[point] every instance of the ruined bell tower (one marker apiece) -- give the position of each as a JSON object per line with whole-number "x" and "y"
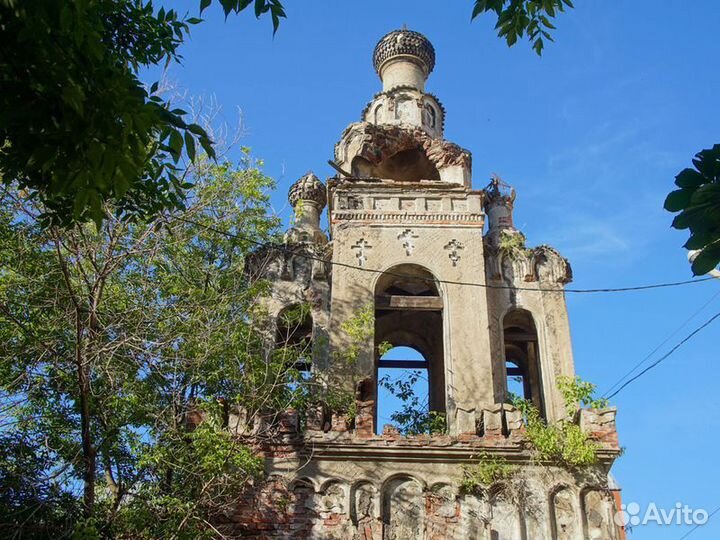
{"x": 444, "y": 271}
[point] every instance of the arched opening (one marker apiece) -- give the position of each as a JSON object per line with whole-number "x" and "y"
{"x": 408, "y": 165}
{"x": 522, "y": 361}
{"x": 293, "y": 337}
{"x": 408, "y": 321}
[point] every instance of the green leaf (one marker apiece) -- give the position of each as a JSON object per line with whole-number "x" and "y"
{"x": 689, "y": 178}
{"x": 698, "y": 241}
{"x": 190, "y": 145}
{"x": 175, "y": 145}
{"x": 204, "y": 4}
{"x": 678, "y": 200}
{"x": 707, "y": 260}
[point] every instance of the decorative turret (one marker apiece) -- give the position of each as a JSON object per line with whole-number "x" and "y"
{"x": 308, "y": 197}
{"x": 499, "y": 202}
{"x": 404, "y": 58}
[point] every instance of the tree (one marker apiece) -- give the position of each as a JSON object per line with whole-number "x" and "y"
{"x": 78, "y": 129}
{"x": 698, "y": 201}
{"x": 516, "y": 18}
{"x": 109, "y": 340}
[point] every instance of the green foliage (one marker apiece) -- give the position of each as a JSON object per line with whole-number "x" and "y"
{"x": 78, "y": 129}
{"x": 516, "y": 18}
{"x": 512, "y": 243}
{"x": 384, "y": 348}
{"x": 564, "y": 442}
{"x": 488, "y": 470}
{"x": 698, "y": 201}
{"x": 414, "y": 417}
{"x": 109, "y": 339}
{"x": 577, "y": 393}
{"x": 260, "y": 7}
{"x": 358, "y": 330}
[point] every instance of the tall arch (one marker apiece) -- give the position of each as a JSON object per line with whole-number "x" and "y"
{"x": 522, "y": 357}
{"x": 564, "y": 514}
{"x": 409, "y": 313}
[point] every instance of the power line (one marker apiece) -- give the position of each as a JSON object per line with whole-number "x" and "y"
{"x": 433, "y": 280}
{"x": 696, "y": 527}
{"x": 666, "y": 355}
{"x": 656, "y": 349}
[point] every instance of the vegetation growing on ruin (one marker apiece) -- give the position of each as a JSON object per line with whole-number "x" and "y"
{"x": 564, "y": 442}
{"x": 488, "y": 470}
{"x": 512, "y": 243}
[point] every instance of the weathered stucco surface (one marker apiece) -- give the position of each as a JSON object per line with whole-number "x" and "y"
{"x": 403, "y": 205}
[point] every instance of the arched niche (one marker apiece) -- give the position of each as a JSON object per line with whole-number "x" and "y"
{"x": 409, "y": 313}
{"x": 506, "y": 522}
{"x": 378, "y": 114}
{"x": 363, "y": 502}
{"x": 522, "y": 359}
{"x": 403, "y": 509}
{"x": 564, "y": 515}
{"x": 598, "y": 509}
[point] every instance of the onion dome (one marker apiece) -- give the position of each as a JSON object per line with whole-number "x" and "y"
{"x": 308, "y": 188}
{"x": 404, "y": 43}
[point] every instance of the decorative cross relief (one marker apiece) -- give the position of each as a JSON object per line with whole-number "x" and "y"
{"x": 407, "y": 240}
{"x": 361, "y": 245}
{"x": 454, "y": 246}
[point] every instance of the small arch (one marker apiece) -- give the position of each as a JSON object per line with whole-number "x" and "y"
{"x": 302, "y": 482}
{"x": 597, "y": 508}
{"x": 564, "y": 513}
{"x": 402, "y": 476}
{"x": 403, "y": 507}
{"x": 333, "y": 497}
{"x": 506, "y": 521}
{"x": 430, "y": 116}
{"x": 377, "y": 114}
{"x": 523, "y": 374}
{"x": 363, "y": 501}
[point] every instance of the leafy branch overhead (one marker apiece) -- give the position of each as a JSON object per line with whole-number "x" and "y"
{"x": 517, "y": 18}
{"x": 78, "y": 129}
{"x": 698, "y": 201}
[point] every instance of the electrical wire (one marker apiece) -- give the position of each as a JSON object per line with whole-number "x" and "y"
{"x": 666, "y": 355}
{"x": 656, "y": 349}
{"x": 449, "y": 282}
{"x": 696, "y": 527}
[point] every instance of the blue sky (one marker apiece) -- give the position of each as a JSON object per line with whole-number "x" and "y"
{"x": 591, "y": 135}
